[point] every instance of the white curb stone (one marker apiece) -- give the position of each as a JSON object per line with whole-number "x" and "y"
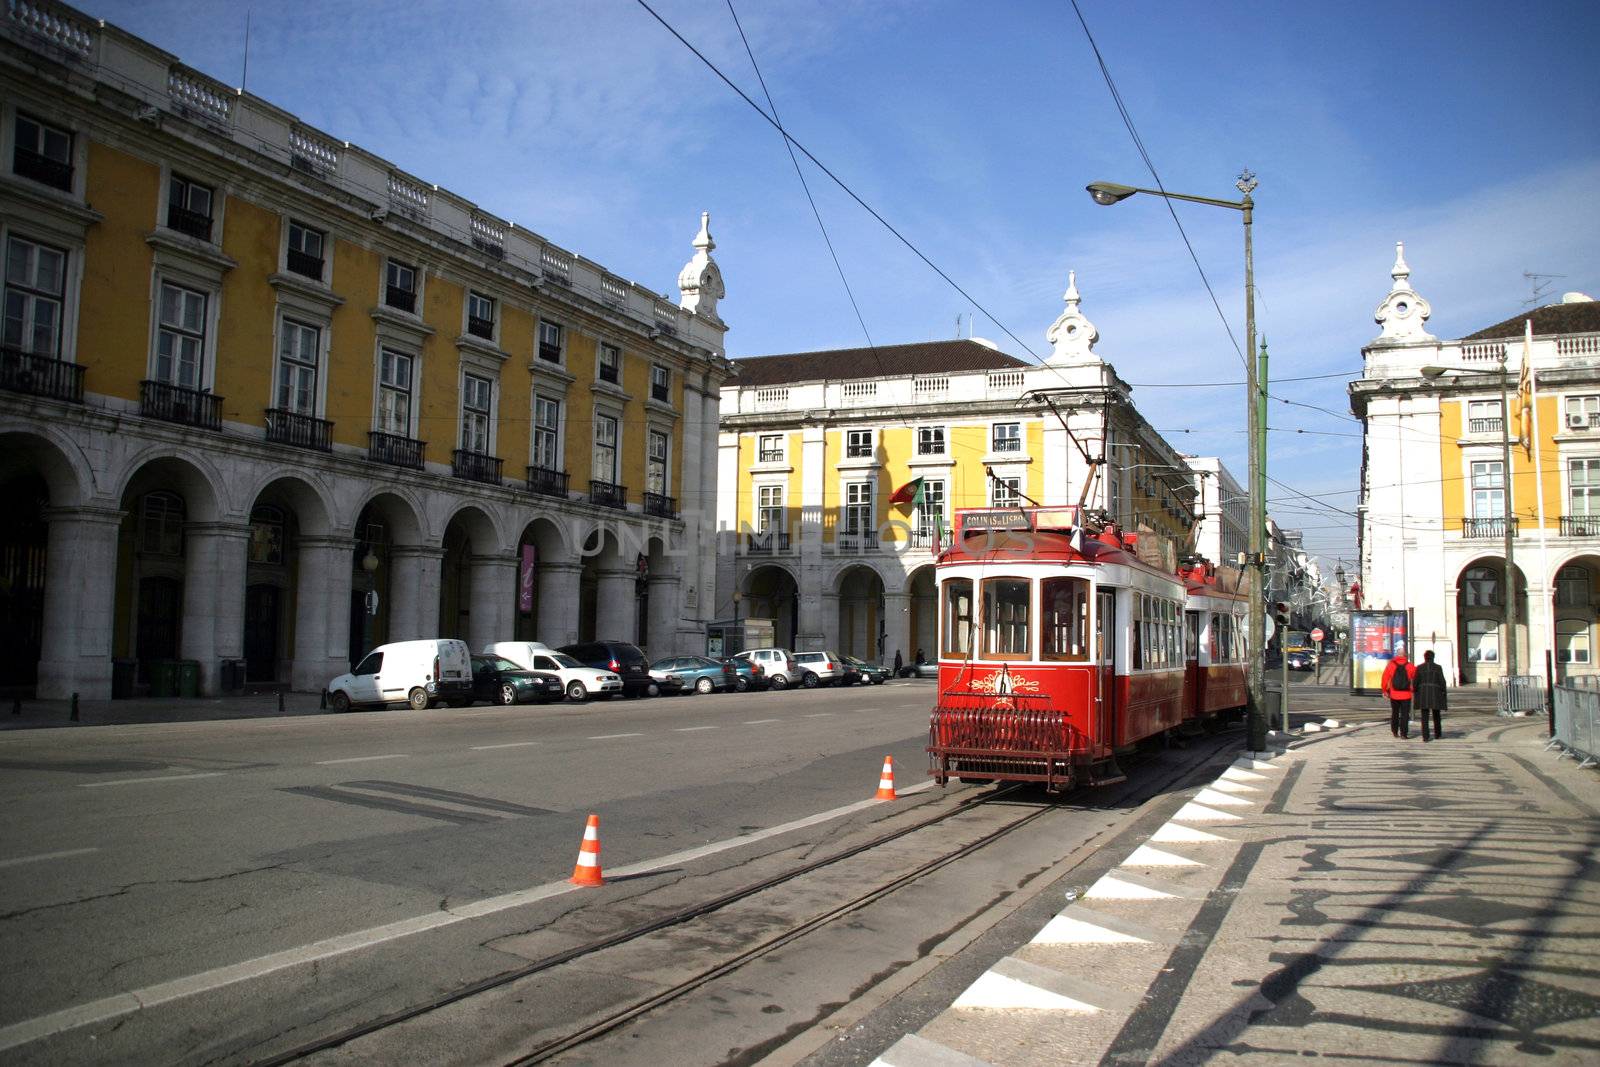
{"x": 1125, "y": 885}
{"x": 1175, "y": 833}
{"x": 1145, "y": 856}
{"x": 1192, "y": 812}
{"x": 1211, "y": 798}
{"x": 1078, "y": 925}
{"x": 1250, "y": 763}
{"x": 914, "y": 1051}
{"x": 1234, "y": 774}
{"x": 1014, "y": 983}
{"x": 1311, "y": 728}
{"x": 1332, "y": 724}
{"x": 1224, "y": 785}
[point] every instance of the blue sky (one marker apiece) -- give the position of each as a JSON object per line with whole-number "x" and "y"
{"x": 1465, "y": 129}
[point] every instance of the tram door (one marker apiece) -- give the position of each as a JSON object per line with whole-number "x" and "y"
{"x": 1105, "y": 654}
{"x": 1194, "y": 673}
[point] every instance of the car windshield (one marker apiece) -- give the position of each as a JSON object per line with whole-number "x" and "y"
{"x": 500, "y": 663}
{"x": 565, "y": 660}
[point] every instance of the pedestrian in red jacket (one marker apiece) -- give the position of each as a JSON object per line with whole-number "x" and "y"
{"x": 1397, "y": 687}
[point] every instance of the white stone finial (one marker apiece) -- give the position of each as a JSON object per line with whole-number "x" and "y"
{"x": 700, "y": 281}
{"x": 1072, "y": 335}
{"x": 1402, "y": 313}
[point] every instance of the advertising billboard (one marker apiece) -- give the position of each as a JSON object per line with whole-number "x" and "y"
{"x": 1375, "y": 636}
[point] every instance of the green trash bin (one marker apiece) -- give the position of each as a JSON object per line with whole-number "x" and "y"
{"x": 188, "y": 678}
{"x": 164, "y": 678}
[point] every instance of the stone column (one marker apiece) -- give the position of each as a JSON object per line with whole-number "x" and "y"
{"x": 897, "y": 627}
{"x": 666, "y": 591}
{"x": 493, "y": 600}
{"x": 557, "y": 602}
{"x": 829, "y": 610}
{"x": 703, "y": 540}
{"x": 697, "y": 500}
{"x": 414, "y": 591}
{"x": 616, "y": 604}
{"x": 213, "y": 596}
{"x": 80, "y": 584}
{"x": 322, "y": 612}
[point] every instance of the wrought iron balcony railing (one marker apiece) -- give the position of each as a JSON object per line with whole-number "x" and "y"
{"x": 401, "y": 299}
{"x": 660, "y": 505}
{"x": 304, "y": 264}
{"x": 190, "y": 222}
{"x": 766, "y": 542}
{"x": 1486, "y": 528}
{"x": 483, "y": 328}
{"x": 25, "y": 372}
{"x": 285, "y": 427}
{"x": 1580, "y": 526}
{"x": 475, "y": 466}
{"x": 547, "y": 482}
{"x": 174, "y": 403}
{"x": 395, "y": 450}
{"x": 40, "y": 168}
{"x": 608, "y": 494}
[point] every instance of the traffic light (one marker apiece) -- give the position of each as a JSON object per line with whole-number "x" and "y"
{"x": 1280, "y": 614}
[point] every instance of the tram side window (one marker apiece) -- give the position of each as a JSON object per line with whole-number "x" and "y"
{"x": 1065, "y": 603}
{"x": 958, "y": 618}
{"x": 1191, "y": 637}
{"x": 1005, "y": 618}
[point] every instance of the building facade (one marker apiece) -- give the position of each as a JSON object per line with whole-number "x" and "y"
{"x": 266, "y": 400}
{"x": 1437, "y": 493}
{"x": 827, "y": 530}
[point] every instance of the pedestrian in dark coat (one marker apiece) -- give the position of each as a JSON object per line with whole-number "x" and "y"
{"x": 1397, "y": 687}
{"x": 1430, "y": 689}
{"x": 899, "y": 663}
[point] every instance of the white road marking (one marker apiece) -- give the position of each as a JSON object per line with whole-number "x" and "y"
{"x": 608, "y": 737}
{"x": 162, "y": 778}
{"x": 691, "y": 729}
{"x": 361, "y": 759}
{"x": 508, "y": 744}
{"x": 97, "y": 1011}
{"x": 819, "y": 714}
{"x": 20, "y": 860}
{"x": 758, "y": 722}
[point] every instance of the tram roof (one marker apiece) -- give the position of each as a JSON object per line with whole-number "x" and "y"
{"x": 1046, "y": 534}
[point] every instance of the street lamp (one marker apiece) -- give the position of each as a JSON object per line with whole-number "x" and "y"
{"x": 1108, "y": 193}
{"x": 1433, "y": 373}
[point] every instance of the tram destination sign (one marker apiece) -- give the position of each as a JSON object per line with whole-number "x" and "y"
{"x": 996, "y": 519}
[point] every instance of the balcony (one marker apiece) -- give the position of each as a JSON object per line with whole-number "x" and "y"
{"x": 856, "y": 540}
{"x": 285, "y": 427}
{"x": 661, "y": 391}
{"x": 660, "y": 505}
{"x": 608, "y": 373}
{"x": 547, "y": 482}
{"x": 1489, "y": 425}
{"x": 190, "y": 222}
{"x": 395, "y": 450}
{"x": 483, "y": 328}
{"x": 401, "y": 299}
{"x": 174, "y": 403}
{"x": 549, "y": 353}
{"x": 475, "y": 466}
{"x": 766, "y": 542}
{"x": 1580, "y": 526}
{"x": 608, "y": 494}
{"x": 304, "y": 264}
{"x": 42, "y": 169}
{"x": 1489, "y": 528}
{"x": 25, "y": 372}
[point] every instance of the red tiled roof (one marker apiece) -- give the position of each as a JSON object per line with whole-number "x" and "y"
{"x": 885, "y": 361}
{"x": 1551, "y": 319}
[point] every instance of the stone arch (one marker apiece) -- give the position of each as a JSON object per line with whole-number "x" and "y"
{"x": 1480, "y": 613}
{"x": 921, "y": 591}
{"x": 859, "y": 588}
{"x": 287, "y": 582}
{"x": 393, "y": 573}
{"x": 301, "y": 491}
{"x": 54, "y": 457}
{"x": 771, "y": 590}
{"x": 399, "y": 508}
{"x": 544, "y": 582}
{"x": 1573, "y": 613}
{"x": 474, "y": 602}
{"x": 192, "y": 476}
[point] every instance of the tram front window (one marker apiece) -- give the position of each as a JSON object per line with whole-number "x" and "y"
{"x": 1065, "y": 604}
{"x": 1005, "y": 618}
{"x": 957, "y": 640}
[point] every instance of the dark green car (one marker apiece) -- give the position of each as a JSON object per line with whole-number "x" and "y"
{"x": 499, "y": 681}
{"x": 870, "y": 673}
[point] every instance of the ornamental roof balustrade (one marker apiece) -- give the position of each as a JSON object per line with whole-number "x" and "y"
{"x": 312, "y": 153}
{"x": 54, "y": 25}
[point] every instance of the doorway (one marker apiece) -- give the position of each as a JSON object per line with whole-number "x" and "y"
{"x": 262, "y": 604}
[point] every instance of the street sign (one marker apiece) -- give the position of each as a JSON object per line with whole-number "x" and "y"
{"x": 1317, "y": 635}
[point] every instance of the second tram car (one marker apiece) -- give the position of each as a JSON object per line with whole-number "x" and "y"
{"x": 1060, "y": 647}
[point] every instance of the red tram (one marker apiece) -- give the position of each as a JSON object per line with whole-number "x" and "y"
{"x": 1059, "y": 647}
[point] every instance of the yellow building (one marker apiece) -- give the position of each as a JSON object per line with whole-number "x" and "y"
{"x": 267, "y": 399}
{"x": 815, "y": 447}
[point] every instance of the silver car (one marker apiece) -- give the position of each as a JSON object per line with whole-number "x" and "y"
{"x": 824, "y": 668}
{"x": 778, "y": 664}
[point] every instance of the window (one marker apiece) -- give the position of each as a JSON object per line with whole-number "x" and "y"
{"x": 180, "y": 336}
{"x": 35, "y": 291}
{"x": 930, "y": 514}
{"x": 371, "y": 665}
{"x": 957, "y": 641}
{"x": 1005, "y": 492}
{"x": 769, "y": 512}
{"x": 769, "y": 448}
{"x": 1006, "y": 437}
{"x": 298, "y": 348}
{"x": 1488, "y": 489}
{"x": 605, "y": 449}
{"x": 189, "y": 207}
{"x": 610, "y": 367}
{"x": 394, "y": 393}
{"x": 1583, "y": 412}
{"x": 858, "y": 508}
{"x": 1064, "y": 603}
{"x": 1481, "y": 586}
{"x": 477, "y": 398}
{"x": 552, "y": 342}
{"x": 1483, "y": 641}
{"x": 1572, "y": 641}
{"x": 546, "y": 433}
{"x": 161, "y": 524}
{"x": 858, "y": 444}
{"x": 1573, "y": 587}
{"x": 1005, "y": 618}
{"x": 1583, "y": 483}
{"x": 43, "y": 153}
{"x": 660, "y": 383}
{"x": 304, "y": 255}
{"x": 400, "y": 286}
{"x": 1157, "y": 632}
{"x": 480, "y": 315}
{"x": 266, "y": 535}
{"x": 1483, "y": 416}
{"x": 930, "y": 440}
{"x": 655, "y": 467}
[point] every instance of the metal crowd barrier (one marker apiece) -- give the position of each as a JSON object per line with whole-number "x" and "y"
{"x": 1521, "y": 692}
{"x": 1578, "y": 722}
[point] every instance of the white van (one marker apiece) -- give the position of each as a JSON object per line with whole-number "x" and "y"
{"x": 418, "y": 673}
{"x": 580, "y": 680}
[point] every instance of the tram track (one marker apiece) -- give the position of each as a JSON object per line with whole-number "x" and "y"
{"x": 1140, "y": 786}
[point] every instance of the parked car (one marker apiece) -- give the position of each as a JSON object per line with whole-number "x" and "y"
{"x": 663, "y": 684}
{"x": 578, "y": 680}
{"x": 418, "y": 673}
{"x": 869, "y": 673}
{"x": 825, "y": 668}
{"x": 499, "y": 681}
{"x": 747, "y": 674}
{"x": 920, "y": 670}
{"x": 621, "y": 658}
{"x": 699, "y": 673}
{"x": 778, "y": 663}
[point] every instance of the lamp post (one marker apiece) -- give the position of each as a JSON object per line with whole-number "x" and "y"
{"x": 1108, "y": 193}
{"x": 1433, "y": 373}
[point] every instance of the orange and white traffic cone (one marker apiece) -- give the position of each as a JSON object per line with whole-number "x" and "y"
{"x": 587, "y": 872}
{"x": 886, "y": 780}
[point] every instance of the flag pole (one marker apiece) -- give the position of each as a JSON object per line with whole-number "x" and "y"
{"x": 1538, "y": 489}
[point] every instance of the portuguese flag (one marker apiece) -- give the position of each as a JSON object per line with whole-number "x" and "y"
{"x": 910, "y": 493}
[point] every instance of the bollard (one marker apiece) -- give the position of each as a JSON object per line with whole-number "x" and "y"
{"x": 280, "y": 703}
{"x": 74, "y": 716}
